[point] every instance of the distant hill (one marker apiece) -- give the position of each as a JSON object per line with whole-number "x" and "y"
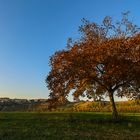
{"x": 41, "y": 105}
{"x": 7, "y": 104}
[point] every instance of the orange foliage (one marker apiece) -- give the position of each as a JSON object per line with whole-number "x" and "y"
{"x": 106, "y": 58}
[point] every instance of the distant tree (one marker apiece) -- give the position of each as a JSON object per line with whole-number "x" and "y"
{"x": 106, "y": 60}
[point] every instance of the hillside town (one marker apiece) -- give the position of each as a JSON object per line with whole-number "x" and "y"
{"x": 16, "y": 100}
{"x": 7, "y": 104}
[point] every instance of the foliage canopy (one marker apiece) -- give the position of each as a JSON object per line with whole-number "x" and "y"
{"x": 105, "y": 60}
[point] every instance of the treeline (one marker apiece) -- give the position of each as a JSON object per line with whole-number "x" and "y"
{"x": 43, "y": 105}
{"x": 132, "y": 106}
{"x": 122, "y": 106}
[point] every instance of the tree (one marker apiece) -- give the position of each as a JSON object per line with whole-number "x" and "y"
{"x": 106, "y": 60}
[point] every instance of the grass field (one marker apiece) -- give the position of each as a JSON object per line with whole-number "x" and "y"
{"x": 68, "y": 126}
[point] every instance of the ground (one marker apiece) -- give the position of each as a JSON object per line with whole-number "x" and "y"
{"x": 69, "y": 126}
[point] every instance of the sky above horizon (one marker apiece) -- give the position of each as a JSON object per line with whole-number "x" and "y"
{"x": 32, "y": 30}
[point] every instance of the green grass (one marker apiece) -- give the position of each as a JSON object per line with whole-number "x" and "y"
{"x": 68, "y": 126}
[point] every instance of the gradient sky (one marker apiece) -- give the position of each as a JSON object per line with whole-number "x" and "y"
{"x": 32, "y": 30}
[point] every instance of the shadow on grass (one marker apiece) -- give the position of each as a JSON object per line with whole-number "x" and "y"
{"x": 101, "y": 119}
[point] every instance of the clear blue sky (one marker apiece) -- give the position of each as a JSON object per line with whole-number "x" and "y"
{"x": 31, "y": 30}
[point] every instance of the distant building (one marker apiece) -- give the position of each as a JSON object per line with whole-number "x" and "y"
{"x": 20, "y": 100}
{"x": 4, "y": 99}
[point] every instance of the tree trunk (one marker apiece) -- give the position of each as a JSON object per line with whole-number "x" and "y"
{"x": 114, "y": 110}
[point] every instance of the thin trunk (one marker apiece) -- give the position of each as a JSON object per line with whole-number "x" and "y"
{"x": 114, "y": 110}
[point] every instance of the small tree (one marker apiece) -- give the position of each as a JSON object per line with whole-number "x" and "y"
{"x": 106, "y": 58}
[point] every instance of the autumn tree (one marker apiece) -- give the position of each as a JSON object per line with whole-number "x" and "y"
{"x": 105, "y": 60}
